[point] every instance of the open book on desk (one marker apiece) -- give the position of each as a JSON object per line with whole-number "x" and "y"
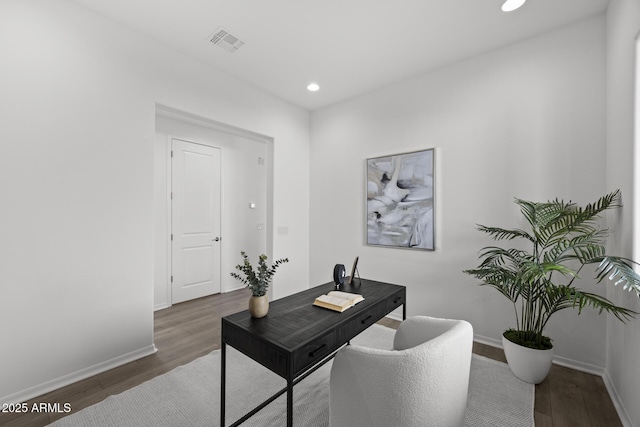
{"x": 338, "y": 300}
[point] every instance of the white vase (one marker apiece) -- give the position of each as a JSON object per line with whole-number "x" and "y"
{"x": 528, "y": 364}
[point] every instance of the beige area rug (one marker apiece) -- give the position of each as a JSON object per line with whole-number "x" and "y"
{"x": 190, "y": 395}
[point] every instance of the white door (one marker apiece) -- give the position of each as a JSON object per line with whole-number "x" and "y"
{"x": 195, "y": 220}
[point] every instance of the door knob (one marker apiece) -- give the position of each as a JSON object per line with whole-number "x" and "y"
{"x": 217, "y": 239}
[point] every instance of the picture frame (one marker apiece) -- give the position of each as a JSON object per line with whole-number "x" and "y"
{"x": 400, "y": 211}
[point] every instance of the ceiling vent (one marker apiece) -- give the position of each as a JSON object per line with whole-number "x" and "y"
{"x": 225, "y": 40}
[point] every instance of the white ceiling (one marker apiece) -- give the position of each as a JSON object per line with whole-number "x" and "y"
{"x": 349, "y": 47}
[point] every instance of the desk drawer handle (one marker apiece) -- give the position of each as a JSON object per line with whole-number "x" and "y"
{"x": 395, "y": 301}
{"x": 317, "y": 350}
{"x": 365, "y": 319}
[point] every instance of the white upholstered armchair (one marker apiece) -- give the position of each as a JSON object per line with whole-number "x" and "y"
{"x": 422, "y": 382}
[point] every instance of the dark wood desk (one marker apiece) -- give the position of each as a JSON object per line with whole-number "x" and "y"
{"x": 296, "y": 337}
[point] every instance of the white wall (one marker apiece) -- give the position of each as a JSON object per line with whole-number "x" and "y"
{"x": 623, "y": 341}
{"x": 244, "y": 181}
{"x": 526, "y": 120}
{"x": 77, "y": 219}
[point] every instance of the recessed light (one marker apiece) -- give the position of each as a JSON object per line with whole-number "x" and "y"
{"x": 511, "y": 5}
{"x": 313, "y": 87}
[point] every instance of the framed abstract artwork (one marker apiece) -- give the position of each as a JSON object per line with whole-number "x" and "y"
{"x": 400, "y": 207}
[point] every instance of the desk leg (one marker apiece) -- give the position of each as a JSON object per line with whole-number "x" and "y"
{"x": 223, "y": 354}
{"x": 289, "y": 403}
{"x": 404, "y": 311}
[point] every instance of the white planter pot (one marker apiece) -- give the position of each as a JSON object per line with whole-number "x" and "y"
{"x": 528, "y": 364}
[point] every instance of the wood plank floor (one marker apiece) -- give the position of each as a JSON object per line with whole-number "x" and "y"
{"x": 190, "y": 330}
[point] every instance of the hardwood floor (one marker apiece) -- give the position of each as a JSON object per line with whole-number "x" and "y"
{"x": 190, "y": 330}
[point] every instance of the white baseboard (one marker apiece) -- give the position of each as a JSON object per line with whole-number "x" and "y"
{"x": 578, "y": 366}
{"x": 233, "y": 289}
{"x": 617, "y": 402}
{"x": 40, "y": 389}
{"x": 558, "y": 360}
{"x": 161, "y": 306}
{"x": 487, "y": 341}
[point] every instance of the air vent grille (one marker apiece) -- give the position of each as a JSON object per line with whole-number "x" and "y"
{"x": 227, "y": 41}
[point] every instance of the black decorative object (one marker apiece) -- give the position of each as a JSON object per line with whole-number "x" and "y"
{"x": 338, "y": 274}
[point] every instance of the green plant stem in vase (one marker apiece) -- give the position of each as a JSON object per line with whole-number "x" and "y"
{"x": 257, "y": 280}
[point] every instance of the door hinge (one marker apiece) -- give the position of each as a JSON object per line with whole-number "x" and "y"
{"x": 172, "y": 237}
{"x": 171, "y": 279}
{"x": 171, "y": 153}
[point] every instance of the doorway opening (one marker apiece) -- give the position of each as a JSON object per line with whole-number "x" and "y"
{"x": 246, "y": 199}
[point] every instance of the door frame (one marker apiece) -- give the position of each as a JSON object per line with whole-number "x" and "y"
{"x": 187, "y": 118}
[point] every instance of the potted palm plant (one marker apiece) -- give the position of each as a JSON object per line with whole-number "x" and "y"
{"x": 257, "y": 281}
{"x": 560, "y": 240}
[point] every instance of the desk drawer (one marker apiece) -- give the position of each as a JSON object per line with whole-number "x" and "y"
{"x": 361, "y": 322}
{"x": 396, "y": 301}
{"x": 313, "y": 353}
